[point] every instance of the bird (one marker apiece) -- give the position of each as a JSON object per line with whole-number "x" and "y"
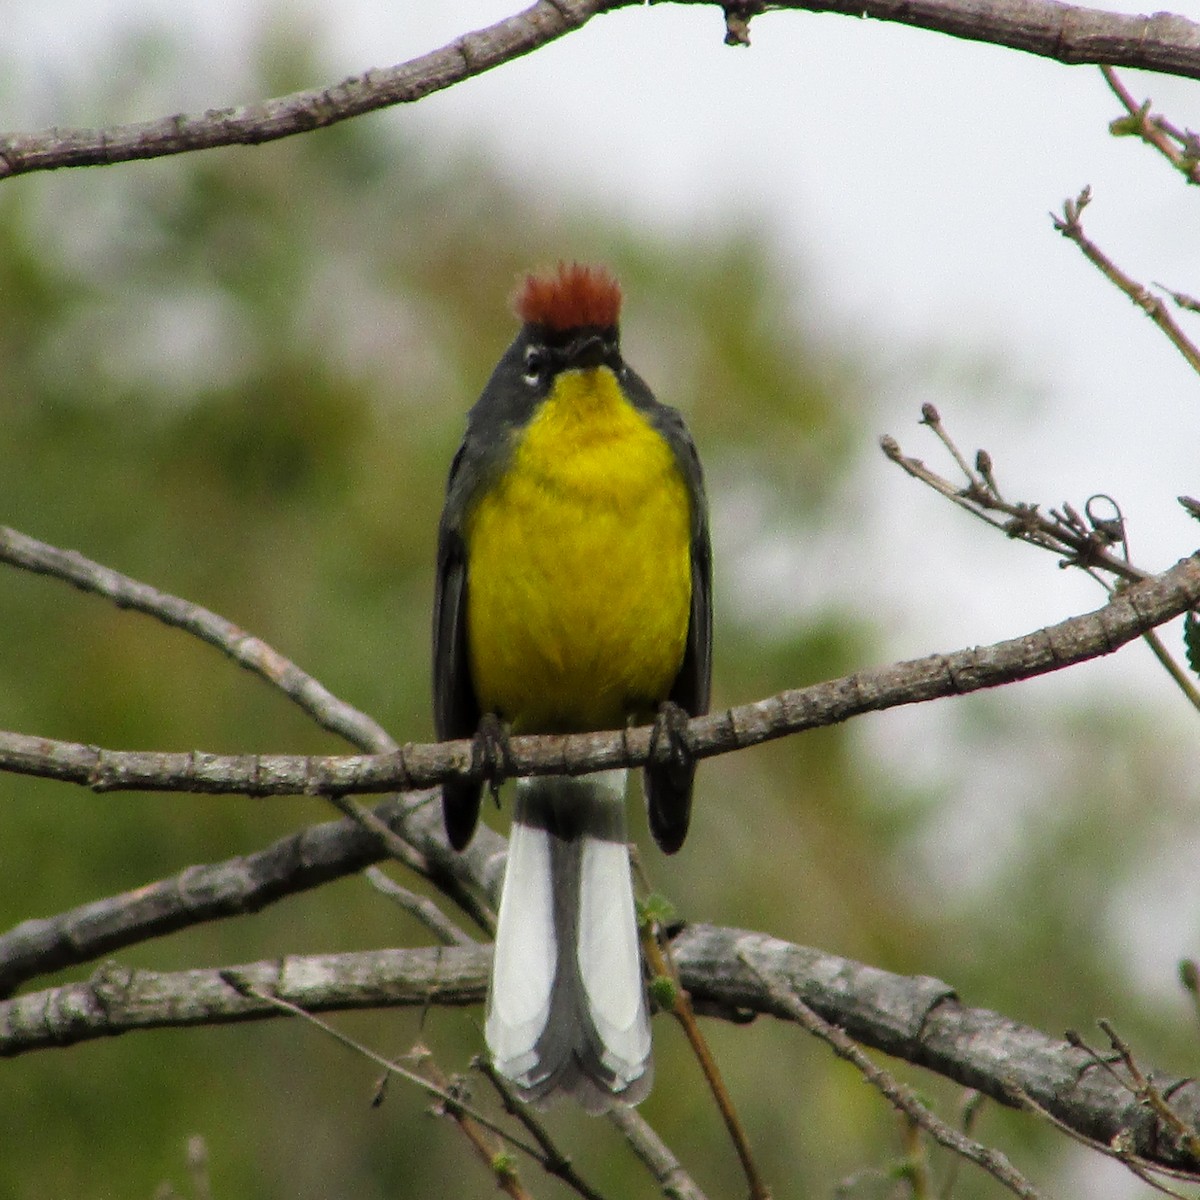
{"x": 573, "y": 593}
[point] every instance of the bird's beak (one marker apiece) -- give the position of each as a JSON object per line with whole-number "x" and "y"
{"x": 587, "y": 351}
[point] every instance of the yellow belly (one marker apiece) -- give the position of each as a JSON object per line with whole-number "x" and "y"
{"x": 579, "y": 567}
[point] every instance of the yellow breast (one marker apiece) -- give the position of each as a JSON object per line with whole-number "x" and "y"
{"x": 579, "y": 566}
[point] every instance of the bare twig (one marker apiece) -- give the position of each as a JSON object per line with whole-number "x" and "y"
{"x": 1068, "y": 33}
{"x": 1179, "y": 147}
{"x": 1182, "y": 680}
{"x": 497, "y": 1161}
{"x": 1182, "y": 299}
{"x": 1070, "y": 226}
{"x": 681, "y": 1009}
{"x": 902, "y": 1098}
{"x": 554, "y": 1162}
{"x": 667, "y": 1171}
{"x": 1086, "y": 543}
{"x": 915, "y": 1164}
{"x": 1066, "y": 533}
{"x": 421, "y": 907}
{"x": 972, "y": 1102}
{"x": 1127, "y": 616}
{"x": 403, "y": 851}
{"x": 1117, "y": 1147}
{"x": 1148, "y": 1094}
{"x": 455, "y": 1105}
{"x": 20, "y": 550}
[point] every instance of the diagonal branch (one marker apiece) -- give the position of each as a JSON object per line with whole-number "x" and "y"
{"x": 19, "y": 550}
{"x": 1067, "y": 33}
{"x": 734, "y": 971}
{"x": 1071, "y": 227}
{"x": 902, "y": 1098}
{"x": 299, "y": 112}
{"x": 1126, "y": 616}
{"x": 1178, "y": 146}
{"x": 247, "y": 883}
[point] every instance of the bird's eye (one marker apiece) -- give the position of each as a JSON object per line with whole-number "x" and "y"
{"x": 536, "y": 361}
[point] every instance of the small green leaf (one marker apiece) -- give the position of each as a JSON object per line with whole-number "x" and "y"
{"x": 656, "y": 909}
{"x": 1131, "y": 125}
{"x": 663, "y": 992}
{"x": 504, "y": 1165}
{"x": 1189, "y": 975}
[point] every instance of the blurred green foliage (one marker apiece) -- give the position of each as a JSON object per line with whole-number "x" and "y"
{"x": 240, "y": 376}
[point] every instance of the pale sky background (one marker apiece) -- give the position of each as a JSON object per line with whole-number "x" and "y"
{"x": 908, "y": 177}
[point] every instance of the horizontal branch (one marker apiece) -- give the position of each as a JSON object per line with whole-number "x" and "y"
{"x": 1127, "y": 616}
{"x": 915, "y": 1018}
{"x": 1068, "y": 33}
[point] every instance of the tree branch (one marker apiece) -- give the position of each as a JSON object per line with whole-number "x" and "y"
{"x": 1068, "y": 33}
{"x": 902, "y": 1098}
{"x": 244, "y": 884}
{"x": 19, "y": 550}
{"x": 1128, "y": 615}
{"x": 1071, "y": 227}
{"x": 728, "y": 971}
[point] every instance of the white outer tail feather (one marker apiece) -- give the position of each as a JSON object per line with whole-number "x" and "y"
{"x": 567, "y": 1004}
{"x": 523, "y": 964}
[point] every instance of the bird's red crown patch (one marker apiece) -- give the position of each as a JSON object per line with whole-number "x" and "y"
{"x": 570, "y": 297}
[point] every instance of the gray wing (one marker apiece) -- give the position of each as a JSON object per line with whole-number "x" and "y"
{"x": 455, "y": 707}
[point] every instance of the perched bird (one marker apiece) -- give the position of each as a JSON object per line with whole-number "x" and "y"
{"x": 573, "y": 594}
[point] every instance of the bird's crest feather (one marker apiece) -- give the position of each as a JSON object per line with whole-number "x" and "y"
{"x": 570, "y": 297}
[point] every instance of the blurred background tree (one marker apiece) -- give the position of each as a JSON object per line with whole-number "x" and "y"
{"x": 240, "y": 376}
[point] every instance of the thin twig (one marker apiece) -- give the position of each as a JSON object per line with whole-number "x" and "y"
{"x": 1182, "y": 299}
{"x": 404, "y": 852}
{"x": 1079, "y": 545}
{"x": 1182, "y": 679}
{"x": 1117, "y": 1148}
{"x": 1087, "y": 544}
{"x": 1149, "y": 1095}
{"x": 668, "y": 1172}
{"x": 1181, "y": 149}
{"x": 681, "y": 1010}
{"x": 931, "y": 417}
{"x": 19, "y": 550}
{"x": 555, "y": 1162}
{"x": 916, "y": 1161}
{"x": 993, "y": 1161}
{"x": 421, "y": 907}
{"x": 971, "y": 1104}
{"x": 1070, "y": 226}
{"x": 438, "y": 1091}
{"x": 492, "y": 1154}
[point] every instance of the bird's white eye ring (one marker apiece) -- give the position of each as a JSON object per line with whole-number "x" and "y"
{"x": 535, "y": 365}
